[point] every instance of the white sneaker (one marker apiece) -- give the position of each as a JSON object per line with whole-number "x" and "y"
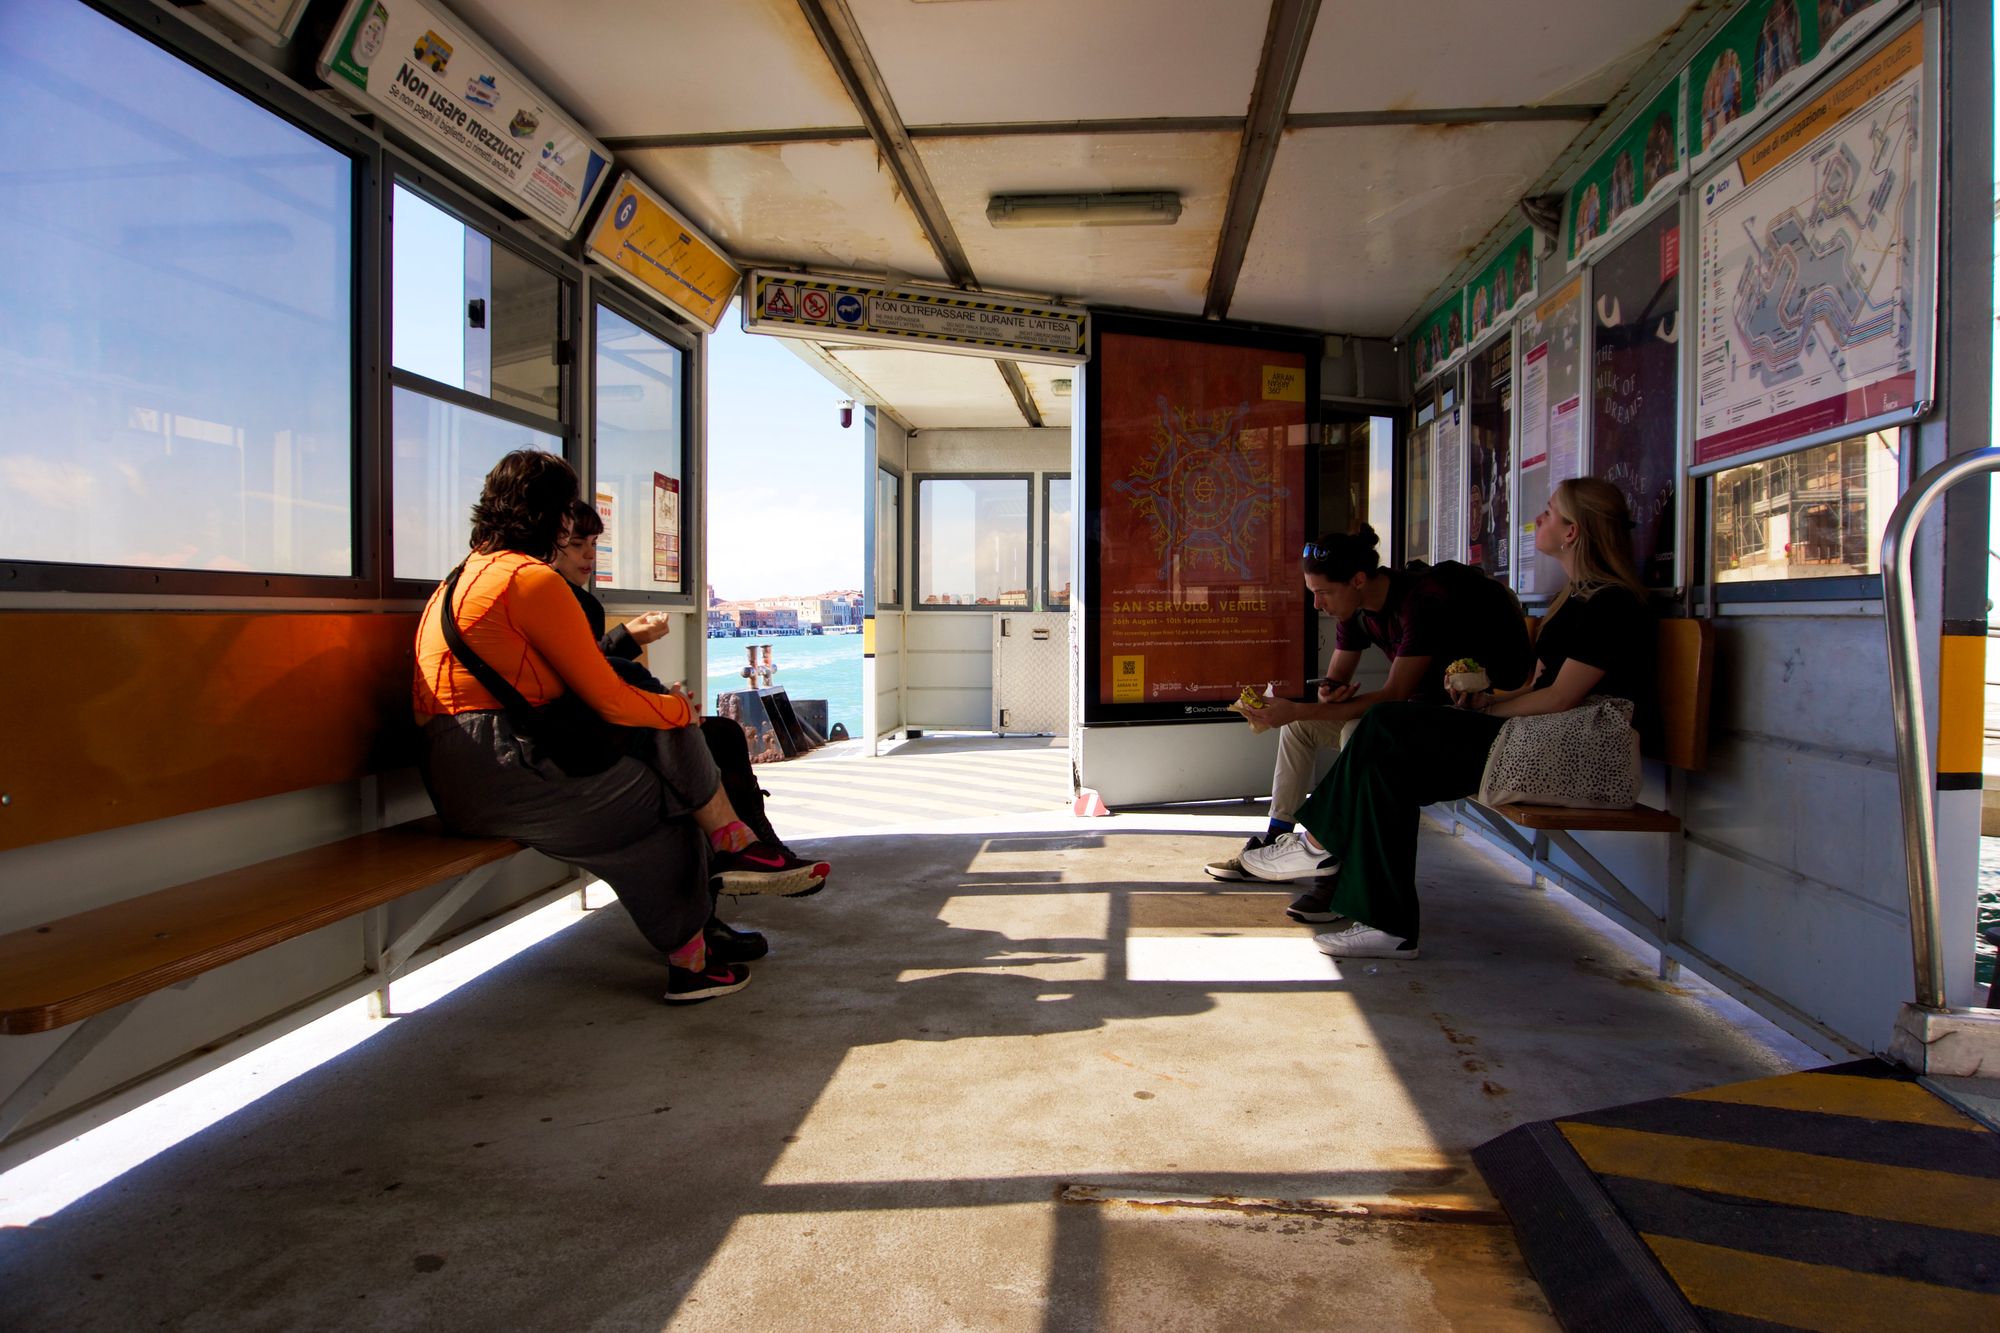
{"x": 1286, "y": 858}
{"x": 1355, "y": 940}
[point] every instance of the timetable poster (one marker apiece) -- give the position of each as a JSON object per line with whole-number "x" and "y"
{"x": 1201, "y": 470}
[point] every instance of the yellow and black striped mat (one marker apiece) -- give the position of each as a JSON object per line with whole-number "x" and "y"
{"x": 1843, "y": 1198}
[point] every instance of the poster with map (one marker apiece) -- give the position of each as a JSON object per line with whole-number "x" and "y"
{"x": 1200, "y": 457}
{"x": 1811, "y": 245}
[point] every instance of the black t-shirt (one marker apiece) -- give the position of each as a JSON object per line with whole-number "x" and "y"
{"x": 1612, "y": 630}
{"x": 1444, "y": 612}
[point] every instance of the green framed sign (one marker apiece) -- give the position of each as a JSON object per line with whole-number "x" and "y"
{"x": 1505, "y": 286}
{"x": 1439, "y": 339}
{"x": 1646, "y": 158}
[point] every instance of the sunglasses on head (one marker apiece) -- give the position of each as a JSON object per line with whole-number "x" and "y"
{"x": 1315, "y": 551}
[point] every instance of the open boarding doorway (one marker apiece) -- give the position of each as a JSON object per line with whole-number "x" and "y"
{"x": 966, "y": 474}
{"x": 784, "y": 595}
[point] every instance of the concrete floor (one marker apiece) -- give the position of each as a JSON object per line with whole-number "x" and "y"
{"x": 1043, "y": 1075}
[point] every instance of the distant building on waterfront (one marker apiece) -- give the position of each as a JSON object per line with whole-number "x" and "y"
{"x": 785, "y": 615}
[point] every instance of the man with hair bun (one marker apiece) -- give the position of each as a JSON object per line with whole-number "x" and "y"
{"x": 1423, "y": 618}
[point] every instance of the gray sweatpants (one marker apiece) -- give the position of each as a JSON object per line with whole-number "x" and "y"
{"x": 630, "y": 825}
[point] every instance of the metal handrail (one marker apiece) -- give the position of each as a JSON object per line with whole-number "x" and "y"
{"x": 1913, "y": 739}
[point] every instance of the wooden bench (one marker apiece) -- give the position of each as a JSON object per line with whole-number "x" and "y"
{"x": 1686, "y": 669}
{"x": 180, "y": 713}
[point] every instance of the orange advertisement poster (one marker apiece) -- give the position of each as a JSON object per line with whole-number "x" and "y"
{"x": 1201, "y": 470}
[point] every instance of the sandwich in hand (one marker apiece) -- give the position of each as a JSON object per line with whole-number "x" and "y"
{"x": 1466, "y": 676}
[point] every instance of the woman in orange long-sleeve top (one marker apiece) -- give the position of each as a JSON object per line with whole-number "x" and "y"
{"x": 654, "y": 831}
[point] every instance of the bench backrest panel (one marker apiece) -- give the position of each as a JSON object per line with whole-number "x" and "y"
{"x": 122, "y": 717}
{"x": 1685, "y": 672}
{"x": 1686, "y": 676}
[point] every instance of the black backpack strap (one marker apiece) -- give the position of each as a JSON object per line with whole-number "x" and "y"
{"x": 510, "y": 698}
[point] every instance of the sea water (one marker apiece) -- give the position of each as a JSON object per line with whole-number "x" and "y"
{"x": 810, "y": 666}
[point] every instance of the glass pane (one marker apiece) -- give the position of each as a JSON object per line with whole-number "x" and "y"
{"x": 888, "y": 530}
{"x": 442, "y": 456}
{"x": 1489, "y": 456}
{"x": 1811, "y": 514}
{"x": 1061, "y": 558}
{"x": 641, "y": 383}
{"x": 1634, "y": 378}
{"x": 472, "y": 314}
{"x": 176, "y": 320}
{"x": 972, "y": 533}
{"x": 1343, "y": 476}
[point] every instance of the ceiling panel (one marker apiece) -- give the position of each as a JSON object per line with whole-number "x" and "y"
{"x": 1360, "y": 225}
{"x": 825, "y": 204}
{"x": 1056, "y": 405}
{"x": 1158, "y": 268}
{"x": 933, "y": 390}
{"x": 1369, "y": 56}
{"x": 1060, "y": 60}
{"x": 669, "y": 66}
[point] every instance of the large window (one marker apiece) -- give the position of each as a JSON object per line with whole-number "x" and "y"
{"x": 1058, "y": 553}
{"x": 176, "y": 313}
{"x": 476, "y": 332}
{"x": 972, "y": 542}
{"x": 1817, "y": 513}
{"x": 888, "y": 539}
{"x": 640, "y": 457}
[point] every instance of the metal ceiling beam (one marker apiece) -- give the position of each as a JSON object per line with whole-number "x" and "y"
{"x": 1446, "y": 115}
{"x": 840, "y": 36}
{"x": 1007, "y": 129}
{"x": 1285, "y": 41}
{"x": 1024, "y": 397}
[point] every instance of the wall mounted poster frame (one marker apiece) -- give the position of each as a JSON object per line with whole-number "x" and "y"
{"x": 1814, "y": 277}
{"x": 1635, "y": 399}
{"x": 1550, "y": 409}
{"x": 1195, "y": 509}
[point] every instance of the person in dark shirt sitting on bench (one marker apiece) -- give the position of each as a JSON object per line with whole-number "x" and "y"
{"x": 1598, "y": 638}
{"x": 575, "y": 558}
{"x": 1422, "y": 617}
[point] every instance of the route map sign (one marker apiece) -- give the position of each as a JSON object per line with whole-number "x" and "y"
{"x": 1199, "y": 453}
{"x": 1807, "y": 285}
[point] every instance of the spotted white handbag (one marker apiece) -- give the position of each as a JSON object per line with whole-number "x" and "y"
{"x": 1586, "y": 757}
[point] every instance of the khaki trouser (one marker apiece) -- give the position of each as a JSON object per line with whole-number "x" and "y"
{"x": 1299, "y": 744}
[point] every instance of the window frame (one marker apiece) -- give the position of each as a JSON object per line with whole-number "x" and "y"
{"x": 440, "y": 192}
{"x": 216, "y": 60}
{"x": 871, "y": 593}
{"x": 917, "y": 480}
{"x": 1041, "y": 596}
{"x": 694, "y": 374}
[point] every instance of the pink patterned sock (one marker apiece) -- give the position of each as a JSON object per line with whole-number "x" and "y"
{"x": 732, "y": 837}
{"x": 693, "y": 955}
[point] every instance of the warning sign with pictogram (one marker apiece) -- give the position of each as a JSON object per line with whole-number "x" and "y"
{"x": 809, "y": 305}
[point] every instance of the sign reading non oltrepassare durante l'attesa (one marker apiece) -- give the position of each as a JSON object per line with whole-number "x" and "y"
{"x": 414, "y": 62}
{"x": 802, "y": 305}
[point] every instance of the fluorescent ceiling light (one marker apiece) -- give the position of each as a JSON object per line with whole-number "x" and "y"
{"x": 1130, "y": 208}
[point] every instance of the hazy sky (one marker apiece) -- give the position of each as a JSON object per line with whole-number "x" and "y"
{"x": 785, "y": 481}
